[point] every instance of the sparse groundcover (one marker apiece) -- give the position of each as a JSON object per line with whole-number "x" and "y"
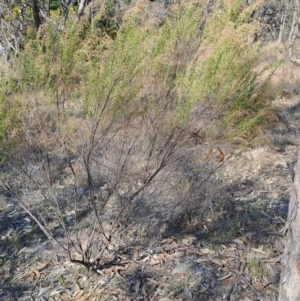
{"x": 114, "y": 146}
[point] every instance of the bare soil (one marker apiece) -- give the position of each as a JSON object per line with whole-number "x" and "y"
{"x": 229, "y": 250}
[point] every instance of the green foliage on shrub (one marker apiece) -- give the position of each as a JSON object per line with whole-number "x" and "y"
{"x": 223, "y": 71}
{"x": 10, "y": 122}
{"x": 54, "y": 5}
{"x": 112, "y": 78}
{"x": 165, "y": 71}
{"x": 108, "y": 18}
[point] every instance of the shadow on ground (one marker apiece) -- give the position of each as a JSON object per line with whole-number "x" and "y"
{"x": 17, "y": 233}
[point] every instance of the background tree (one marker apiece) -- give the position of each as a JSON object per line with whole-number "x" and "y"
{"x": 294, "y": 32}
{"x": 18, "y": 16}
{"x": 36, "y": 15}
{"x": 13, "y": 21}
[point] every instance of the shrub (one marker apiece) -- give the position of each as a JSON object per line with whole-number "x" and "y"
{"x": 54, "y": 5}
{"x": 108, "y": 135}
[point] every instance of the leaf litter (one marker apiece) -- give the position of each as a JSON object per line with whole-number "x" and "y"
{"x": 179, "y": 267}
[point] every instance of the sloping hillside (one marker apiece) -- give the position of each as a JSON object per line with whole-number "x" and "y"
{"x": 146, "y": 152}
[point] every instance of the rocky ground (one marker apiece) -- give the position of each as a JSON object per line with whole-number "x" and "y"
{"x": 231, "y": 254}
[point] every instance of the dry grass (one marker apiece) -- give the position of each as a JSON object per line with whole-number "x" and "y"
{"x": 178, "y": 217}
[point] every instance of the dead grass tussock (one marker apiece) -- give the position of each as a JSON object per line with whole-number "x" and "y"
{"x": 270, "y": 116}
{"x": 150, "y": 14}
{"x": 288, "y": 79}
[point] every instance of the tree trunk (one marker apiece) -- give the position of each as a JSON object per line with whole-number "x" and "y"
{"x": 290, "y": 275}
{"x": 36, "y": 16}
{"x": 47, "y": 7}
{"x": 81, "y": 6}
{"x": 294, "y": 32}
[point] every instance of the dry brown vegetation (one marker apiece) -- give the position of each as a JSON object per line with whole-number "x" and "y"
{"x": 127, "y": 148}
